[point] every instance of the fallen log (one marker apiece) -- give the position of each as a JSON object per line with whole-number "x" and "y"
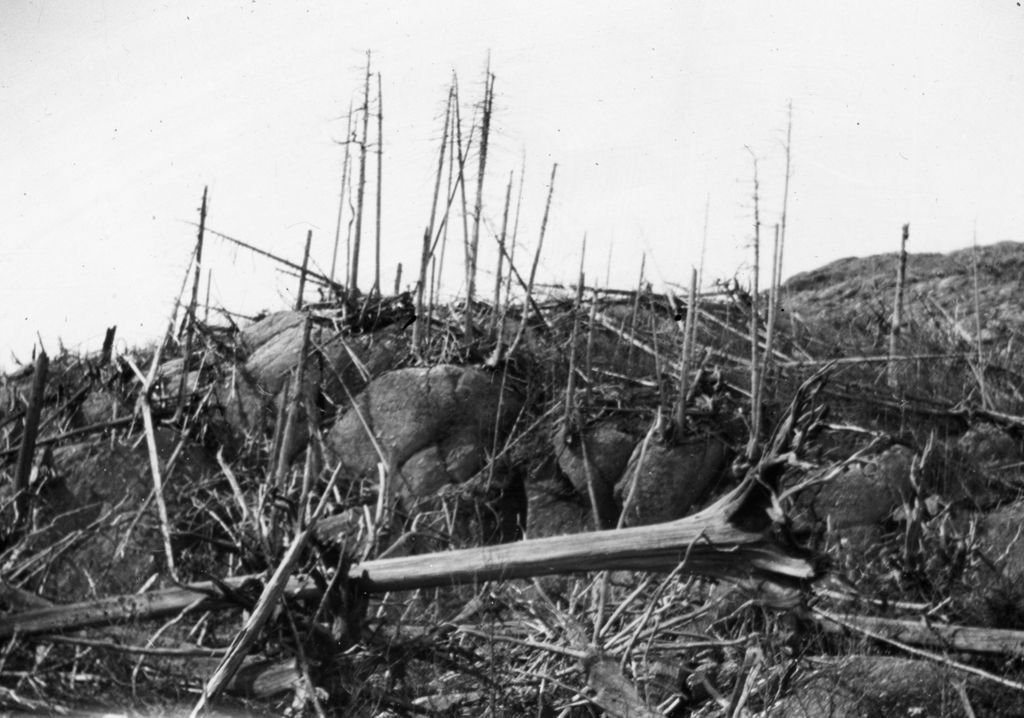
{"x": 730, "y": 539}
{"x": 968, "y": 639}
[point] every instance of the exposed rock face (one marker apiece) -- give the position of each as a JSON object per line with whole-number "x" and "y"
{"x": 435, "y": 425}
{"x": 672, "y": 478}
{"x": 608, "y": 450}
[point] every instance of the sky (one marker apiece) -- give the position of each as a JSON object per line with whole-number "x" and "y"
{"x": 115, "y": 114}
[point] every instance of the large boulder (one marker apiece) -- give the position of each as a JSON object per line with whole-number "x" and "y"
{"x": 1003, "y": 540}
{"x": 861, "y": 497}
{"x": 252, "y": 389}
{"x": 434, "y": 426}
{"x": 671, "y": 479}
{"x": 607, "y": 449}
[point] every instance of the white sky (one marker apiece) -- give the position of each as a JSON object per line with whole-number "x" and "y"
{"x": 114, "y": 114}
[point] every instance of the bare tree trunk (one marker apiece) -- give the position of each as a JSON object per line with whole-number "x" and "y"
{"x": 474, "y": 245}
{"x": 23, "y": 469}
{"x": 684, "y": 369}
{"x": 302, "y": 272}
{"x": 417, "y": 329}
{"x": 341, "y": 198}
{"x": 897, "y": 310}
{"x": 536, "y": 259}
{"x": 755, "y": 374}
{"x": 361, "y": 192}
{"x": 380, "y": 179}
{"x": 191, "y": 318}
{"x": 496, "y": 309}
{"x": 980, "y": 373}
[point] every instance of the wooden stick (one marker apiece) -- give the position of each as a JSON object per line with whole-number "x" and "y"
{"x": 302, "y": 272}
{"x": 191, "y": 318}
{"x": 26, "y": 451}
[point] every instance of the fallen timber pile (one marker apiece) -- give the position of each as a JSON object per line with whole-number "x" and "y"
{"x": 706, "y": 544}
{"x": 337, "y": 575}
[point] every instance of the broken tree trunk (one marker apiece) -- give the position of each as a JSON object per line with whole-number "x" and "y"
{"x": 730, "y": 539}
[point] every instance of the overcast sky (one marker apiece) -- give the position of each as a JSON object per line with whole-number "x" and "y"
{"x": 116, "y": 113}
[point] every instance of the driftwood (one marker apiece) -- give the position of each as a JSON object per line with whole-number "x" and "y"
{"x": 729, "y": 540}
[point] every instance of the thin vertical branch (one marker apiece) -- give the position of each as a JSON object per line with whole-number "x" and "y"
{"x": 361, "y": 192}
{"x": 985, "y": 403}
{"x": 425, "y": 257}
{"x": 636, "y": 309}
{"x": 785, "y": 190}
{"x": 206, "y": 306}
{"x": 591, "y": 323}
{"x": 474, "y": 245}
{"x": 515, "y": 236}
{"x": 496, "y": 307}
{"x": 684, "y": 369}
{"x": 755, "y": 380}
{"x": 463, "y": 154}
{"x": 302, "y": 272}
{"x": 291, "y": 423}
{"x": 23, "y": 469}
{"x": 191, "y": 318}
{"x": 695, "y": 296}
{"x": 897, "y": 310}
{"x": 341, "y": 196}
{"x": 570, "y": 413}
{"x": 380, "y": 176}
{"x": 536, "y": 260}
{"x": 773, "y": 301}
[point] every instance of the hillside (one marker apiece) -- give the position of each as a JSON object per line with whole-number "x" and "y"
{"x": 940, "y": 290}
{"x": 354, "y": 507}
